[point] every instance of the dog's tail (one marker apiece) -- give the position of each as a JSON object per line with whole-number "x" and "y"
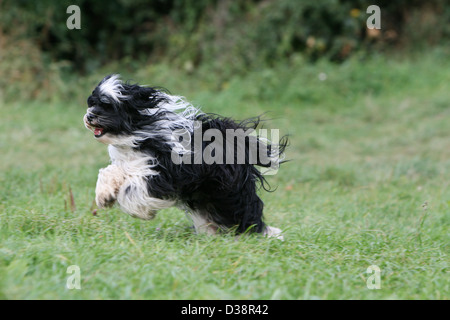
{"x": 270, "y": 151}
{"x": 245, "y": 143}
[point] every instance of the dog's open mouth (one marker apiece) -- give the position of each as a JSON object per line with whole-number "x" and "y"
{"x": 98, "y": 131}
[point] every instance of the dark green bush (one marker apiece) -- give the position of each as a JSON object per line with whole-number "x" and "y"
{"x": 202, "y": 30}
{"x": 224, "y": 36}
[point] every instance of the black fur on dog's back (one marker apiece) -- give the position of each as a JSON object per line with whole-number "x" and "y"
{"x": 226, "y": 192}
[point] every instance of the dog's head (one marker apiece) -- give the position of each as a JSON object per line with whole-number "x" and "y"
{"x": 116, "y": 110}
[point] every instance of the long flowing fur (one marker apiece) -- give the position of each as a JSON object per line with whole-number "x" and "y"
{"x": 138, "y": 124}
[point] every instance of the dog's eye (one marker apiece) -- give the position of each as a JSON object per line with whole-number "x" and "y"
{"x": 104, "y": 100}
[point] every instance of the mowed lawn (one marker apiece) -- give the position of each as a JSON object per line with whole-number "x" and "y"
{"x": 367, "y": 184}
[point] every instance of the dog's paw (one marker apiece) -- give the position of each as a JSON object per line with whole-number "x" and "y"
{"x": 104, "y": 199}
{"x": 272, "y": 232}
{"x": 109, "y": 181}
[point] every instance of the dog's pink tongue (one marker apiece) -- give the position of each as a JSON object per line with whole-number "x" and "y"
{"x": 98, "y": 131}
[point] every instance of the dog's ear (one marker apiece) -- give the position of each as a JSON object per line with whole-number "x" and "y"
{"x": 144, "y": 97}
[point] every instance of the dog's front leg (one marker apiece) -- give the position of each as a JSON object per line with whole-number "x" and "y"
{"x": 135, "y": 199}
{"x": 109, "y": 181}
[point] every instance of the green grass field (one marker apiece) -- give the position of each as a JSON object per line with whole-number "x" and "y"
{"x": 367, "y": 184}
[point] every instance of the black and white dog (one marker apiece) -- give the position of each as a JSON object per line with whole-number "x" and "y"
{"x": 156, "y": 142}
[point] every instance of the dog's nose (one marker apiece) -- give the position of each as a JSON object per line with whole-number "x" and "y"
{"x": 90, "y": 117}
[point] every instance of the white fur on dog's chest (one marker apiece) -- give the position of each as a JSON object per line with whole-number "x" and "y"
{"x": 133, "y": 197}
{"x": 133, "y": 163}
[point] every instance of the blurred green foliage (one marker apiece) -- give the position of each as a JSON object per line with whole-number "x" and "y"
{"x": 226, "y": 37}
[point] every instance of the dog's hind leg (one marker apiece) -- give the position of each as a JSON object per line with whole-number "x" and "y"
{"x": 202, "y": 225}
